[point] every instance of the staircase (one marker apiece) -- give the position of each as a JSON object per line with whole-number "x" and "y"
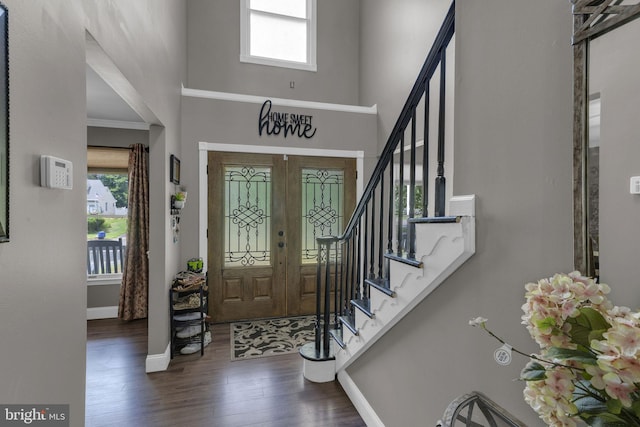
{"x": 442, "y": 245}
{"x": 393, "y": 253}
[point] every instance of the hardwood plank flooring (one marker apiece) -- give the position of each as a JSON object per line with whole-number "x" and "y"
{"x": 202, "y": 391}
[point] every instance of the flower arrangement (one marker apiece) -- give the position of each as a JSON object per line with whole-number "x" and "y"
{"x": 588, "y": 367}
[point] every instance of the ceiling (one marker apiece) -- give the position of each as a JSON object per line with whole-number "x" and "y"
{"x": 105, "y": 108}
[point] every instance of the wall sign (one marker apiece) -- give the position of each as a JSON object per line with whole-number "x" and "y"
{"x": 276, "y": 123}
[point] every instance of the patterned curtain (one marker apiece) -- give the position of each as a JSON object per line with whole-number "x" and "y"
{"x": 135, "y": 277}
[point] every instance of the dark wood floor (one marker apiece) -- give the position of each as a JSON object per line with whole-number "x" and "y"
{"x": 202, "y": 391}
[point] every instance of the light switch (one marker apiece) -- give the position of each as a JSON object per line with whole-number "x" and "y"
{"x": 635, "y": 185}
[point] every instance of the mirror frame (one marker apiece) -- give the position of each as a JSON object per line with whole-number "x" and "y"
{"x": 4, "y": 106}
{"x": 591, "y": 19}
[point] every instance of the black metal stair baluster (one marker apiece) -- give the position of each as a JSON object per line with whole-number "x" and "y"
{"x": 327, "y": 302}
{"x": 358, "y": 266}
{"x": 318, "y": 299}
{"x": 425, "y": 154}
{"x": 400, "y": 196}
{"x": 391, "y": 211}
{"x": 372, "y": 239}
{"x": 412, "y": 190}
{"x": 440, "y": 179}
{"x": 348, "y": 275}
{"x": 366, "y": 247}
{"x": 337, "y": 292}
{"x": 381, "y": 228}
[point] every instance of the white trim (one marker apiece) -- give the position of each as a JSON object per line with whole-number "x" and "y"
{"x": 271, "y": 62}
{"x": 205, "y": 147}
{"x": 361, "y": 404}
{"x": 101, "y": 280}
{"x": 158, "y": 362}
{"x": 94, "y": 313}
{"x": 463, "y": 205}
{"x": 292, "y": 151}
{"x": 203, "y": 200}
{"x": 280, "y": 102}
{"x": 119, "y": 124}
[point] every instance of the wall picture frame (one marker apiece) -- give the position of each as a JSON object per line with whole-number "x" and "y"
{"x": 174, "y": 169}
{"x": 4, "y": 124}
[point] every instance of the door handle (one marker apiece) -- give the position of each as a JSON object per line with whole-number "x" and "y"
{"x": 281, "y": 244}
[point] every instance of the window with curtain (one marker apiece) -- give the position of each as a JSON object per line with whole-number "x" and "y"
{"x": 279, "y": 33}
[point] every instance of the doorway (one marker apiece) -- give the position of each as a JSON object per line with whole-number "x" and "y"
{"x": 264, "y": 214}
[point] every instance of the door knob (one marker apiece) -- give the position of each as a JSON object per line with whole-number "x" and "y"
{"x": 280, "y": 233}
{"x": 281, "y": 244}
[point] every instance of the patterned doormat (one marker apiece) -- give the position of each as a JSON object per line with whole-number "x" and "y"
{"x": 270, "y": 337}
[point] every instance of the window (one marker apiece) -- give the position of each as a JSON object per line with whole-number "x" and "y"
{"x": 280, "y": 33}
{"x": 107, "y": 200}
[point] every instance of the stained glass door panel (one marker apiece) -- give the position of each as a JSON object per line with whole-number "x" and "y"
{"x": 321, "y": 198}
{"x": 246, "y": 262}
{"x": 265, "y": 212}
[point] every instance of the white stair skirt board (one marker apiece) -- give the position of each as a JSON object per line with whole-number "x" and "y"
{"x": 95, "y": 313}
{"x": 322, "y": 371}
{"x": 442, "y": 248}
{"x": 158, "y": 362}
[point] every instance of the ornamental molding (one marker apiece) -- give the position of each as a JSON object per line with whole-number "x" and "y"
{"x": 592, "y": 18}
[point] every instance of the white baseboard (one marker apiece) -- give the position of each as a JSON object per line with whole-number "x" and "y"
{"x": 95, "y": 313}
{"x": 158, "y": 362}
{"x": 361, "y": 404}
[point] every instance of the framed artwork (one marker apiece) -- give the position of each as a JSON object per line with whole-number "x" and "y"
{"x": 4, "y": 125}
{"x": 174, "y": 168}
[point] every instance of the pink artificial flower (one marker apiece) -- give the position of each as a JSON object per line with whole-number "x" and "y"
{"x": 624, "y": 336}
{"x": 618, "y": 389}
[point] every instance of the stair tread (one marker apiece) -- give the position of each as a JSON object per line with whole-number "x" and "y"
{"x": 364, "y": 306}
{"x": 381, "y": 284}
{"x": 409, "y": 261}
{"x": 336, "y": 334}
{"x": 435, "y": 220}
{"x": 350, "y": 323}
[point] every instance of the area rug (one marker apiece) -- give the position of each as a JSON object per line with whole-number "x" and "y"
{"x": 270, "y": 337}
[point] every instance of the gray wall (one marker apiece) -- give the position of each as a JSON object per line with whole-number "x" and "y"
{"x": 514, "y": 151}
{"x": 613, "y": 73}
{"x": 43, "y": 307}
{"x": 114, "y": 137}
{"x": 214, "y": 55}
{"x": 395, "y": 38}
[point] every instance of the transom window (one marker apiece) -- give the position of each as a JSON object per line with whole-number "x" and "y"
{"x": 280, "y": 33}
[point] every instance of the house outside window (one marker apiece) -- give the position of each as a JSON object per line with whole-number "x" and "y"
{"x": 279, "y": 33}
{"x": 107, "y": 207}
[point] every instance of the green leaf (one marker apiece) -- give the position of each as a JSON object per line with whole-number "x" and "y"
{"x": 568, "y": 354}
{"x": 588, "y": 325}
{"x": 605, "y": 420}
{"x": 548, "y": 322}
{"x": 636, "y": 408}
{"x": 590, "y": 405}
{"x": 614, "y": 406}
{"x": 533, "y": 371}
